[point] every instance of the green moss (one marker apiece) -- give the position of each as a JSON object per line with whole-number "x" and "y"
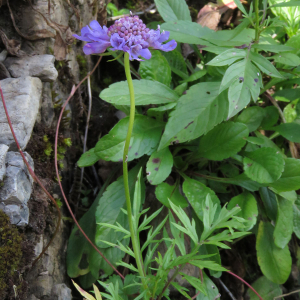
{"x": 10, "y": 254}
{"x": 82, "y": 62}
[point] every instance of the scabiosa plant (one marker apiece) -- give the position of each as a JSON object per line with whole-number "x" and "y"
{"x": 127, "y": 34}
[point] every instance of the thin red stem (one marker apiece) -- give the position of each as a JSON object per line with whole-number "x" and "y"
{"x": 35, "y": 178}
{"x": 241, "y": 279}
{"x": 57, "y": 171}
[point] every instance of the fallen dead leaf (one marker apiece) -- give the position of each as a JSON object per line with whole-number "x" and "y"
{"x": 13, "y": 47}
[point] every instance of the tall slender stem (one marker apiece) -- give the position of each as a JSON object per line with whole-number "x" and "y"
{"x": 256, "y": 9}
{"x": 134, "y": 239}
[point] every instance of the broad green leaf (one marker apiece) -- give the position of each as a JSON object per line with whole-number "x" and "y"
{"x": 165, "y": 192}
{"x": 212, "y": 290}
{"x": 196, "y": 192}
{"x": 287, "y": 95}
{"x": 145, "y": 92}
{"x": 144, "y": 140}
{"x": 269, "y": 143}
{"x": 172, "y": 10}
{"x": 245, "y": 182}
{"x": 290, "y": 131}
{"x": 88, "y": 158}
{"x": 176, "y": 63}
{"x": 271, "y": 116}
{"x": 284, "y": 223}
{"x": 109, "y": 210}
{"x": 264, "y": 65}
{"x": 274, "y": 262}
{"x": 195, "y": 76}
{"x": 252, "y": 117}
{"x": 131, "y": 284}
{"x": 264, "y": 165}
{"x": 270, "y": 202}
{"x": 267, "y": 289}
{"x": 159, "y": 166}
{"x": 290, "y": 178}
{"x": 290, "y": 112}
{"x": 156, "y": 68}
{"x": 296, "y": 213}
{"x": 290, "y": 59}
{"x": 228, "y": 57}
{"x": 223, "y": 141}
{"x": 248, "y": 205}
{"x": 272, "y": 48}
{"x": 180, "y": 89}
{"x": 294, "y": 41}
{"x": 286, "y": 4}
{"x": 158, "y": 112}
{"x": 187, "y": 32}
{"x": 244, "y": 81}
{"x": 196, "y": 113}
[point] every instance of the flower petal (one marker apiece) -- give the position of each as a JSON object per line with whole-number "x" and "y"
{"x": 164, "y": 36}
{"x": 170, "y": 46}
{"x": 82, "y": 38}
{"x": 96, "y": 47}
{"x": 145, "y": 53}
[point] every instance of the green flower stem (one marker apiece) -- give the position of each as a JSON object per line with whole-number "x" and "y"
{"x": 134, "y": 239}
{"x": 256, "y": 9}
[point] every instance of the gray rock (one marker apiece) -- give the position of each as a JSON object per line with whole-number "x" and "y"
{"x": 3, "y": 55}
{"x": 18, "y": 215}
{"x": 32, "y": 297}
{"x": 41, "y": 66}
{"x": 17, "y": 186}
{"x": 3, "y": 72}
{"x": 22, "y": 97}
{"x": 62, "y": 292}
{"x": 3, "y": 151}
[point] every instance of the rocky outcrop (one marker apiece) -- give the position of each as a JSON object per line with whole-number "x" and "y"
{"x": 41, "y": 66}
{"x": 22, "y": 96}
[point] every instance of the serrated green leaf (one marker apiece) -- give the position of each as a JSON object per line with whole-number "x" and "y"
{"x": 145, "y": 92}
{"x": 287, "y": 95}
{"x": 264, "y": 65}
{"x": 211, "y": 265}
{"x": 271, "y": 116}
{"x": 248, "y": 205}
{"x": 196, "y": 192}
{"x": 196, "y": 113}
{"x": 228, "y": 57}
{"x": 290, "y": 178}
{"x": 284, "y": 223}
{"x": 272, "y": 48}
{"x": 195, "y": 282}
{"x": 172, "y": 10}
{"x": 212, "y": 249}
{"x": 269, "y": 200}
{"x": 212, "y": 290}
{"x": 264, "y": 165}
{"x": 244, "y": 81}
{"x": 165, "y": 192}
{"x": 267, "y": 289}
{"x": 296, "y": 215}
{"x": 156, "y": 68}
{"x": 252, "y": 117}
{"x": 187, "y": 32}
{"x": 290, "y": 131}
{"x": 144, "y": 140}
{"x": 88, "y": 158}
{"x": 274, "y": 262}
{"x": 289, "y": 59}
{"x": 159, "y": 166}
{"x": 177, "y": 63}
{"x": 223, "y": 141}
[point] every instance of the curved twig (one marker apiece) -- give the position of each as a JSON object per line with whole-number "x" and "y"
{"x": 35, "y": 178}
{"x": 57, "y": 171}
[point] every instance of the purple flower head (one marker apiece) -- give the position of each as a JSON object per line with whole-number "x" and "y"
{"x": 127, "y": 34}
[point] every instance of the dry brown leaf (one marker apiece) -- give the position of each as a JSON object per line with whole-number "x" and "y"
{"x": 13, "y": 47}
{"x": 209, "y": 16}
